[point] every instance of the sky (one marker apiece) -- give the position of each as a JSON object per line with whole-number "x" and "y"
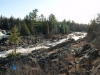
{"x": 81, "y": 11}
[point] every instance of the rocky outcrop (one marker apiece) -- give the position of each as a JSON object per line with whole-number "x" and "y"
{"x": 53, "y": 60}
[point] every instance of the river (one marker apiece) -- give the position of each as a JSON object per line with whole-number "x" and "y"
{"x": 74, "y": 35}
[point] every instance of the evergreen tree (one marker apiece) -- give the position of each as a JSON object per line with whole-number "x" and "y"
{"x": 24, "y": 30}
{"x": 66, "y": 29}
{"x": 11, "y": 21}
{"x": 31, "y": 27}
{"x": 14, "y": 37}
{"x": 45, "y": 27}
{"x": 5, "y": 24}
{"x": 93, "y": 27}
{"x": 52, "y": 24}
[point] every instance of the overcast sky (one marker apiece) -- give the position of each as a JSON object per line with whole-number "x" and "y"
{"x": 81, "y": 11}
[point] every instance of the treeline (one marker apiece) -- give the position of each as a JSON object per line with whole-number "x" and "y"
{"x": 35, "y": 24}
{"x": 94, "y": 32}
{"x": 94, "y": 26}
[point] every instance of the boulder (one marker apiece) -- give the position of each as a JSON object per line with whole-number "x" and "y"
{"x": 53, "y": 56}
{"x": 71, "y": 40}
{"x": 93, "y": 53}
{"x": 85, "y": 47}
{"x": 83, "y": 60}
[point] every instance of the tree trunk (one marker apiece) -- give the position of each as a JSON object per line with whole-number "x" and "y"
{"x": 15, "y": 49}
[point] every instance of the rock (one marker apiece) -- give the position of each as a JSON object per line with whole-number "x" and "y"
{"x": 71, "y": 40}
{"x": 83, "y": 60}
{"x": 69, "y": 63}
{"x": 85, "y": 47}
{"x": 43, "y": 62}
{"x": 93, "y": 53}
{"x": 4, "y": 61}
{"x": 53, "y": 56}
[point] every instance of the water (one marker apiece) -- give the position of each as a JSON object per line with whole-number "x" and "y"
{"x": 75, "y": 35}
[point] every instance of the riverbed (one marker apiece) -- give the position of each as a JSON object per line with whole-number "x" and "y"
{"x": 46, "y": 45}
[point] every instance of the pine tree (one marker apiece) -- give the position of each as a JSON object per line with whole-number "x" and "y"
{"x": 14, "y": 37}
{"x": 24, "y": 30}
{"x": 93, "y": 27}
{"x": 31, "y": 27}
{"x": 66, "y": 29}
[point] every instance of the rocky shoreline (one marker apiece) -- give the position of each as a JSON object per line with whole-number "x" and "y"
{"x": 24, "y": 42}
{"x": 67, "y": 58}
{"x": 60, "y": 59}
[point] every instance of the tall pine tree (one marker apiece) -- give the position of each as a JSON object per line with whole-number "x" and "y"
{"x": 24, "y": 30}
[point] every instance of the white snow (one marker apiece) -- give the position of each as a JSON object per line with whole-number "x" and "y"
{"x": 75, "y": 35}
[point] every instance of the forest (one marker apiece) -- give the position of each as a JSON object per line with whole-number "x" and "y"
{"x": 39, "y": 24}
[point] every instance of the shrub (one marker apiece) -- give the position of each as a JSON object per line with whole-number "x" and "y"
{"x": 13, "y": 54}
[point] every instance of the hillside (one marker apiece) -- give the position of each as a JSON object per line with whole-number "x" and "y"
{"x": 68, "y": 58}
